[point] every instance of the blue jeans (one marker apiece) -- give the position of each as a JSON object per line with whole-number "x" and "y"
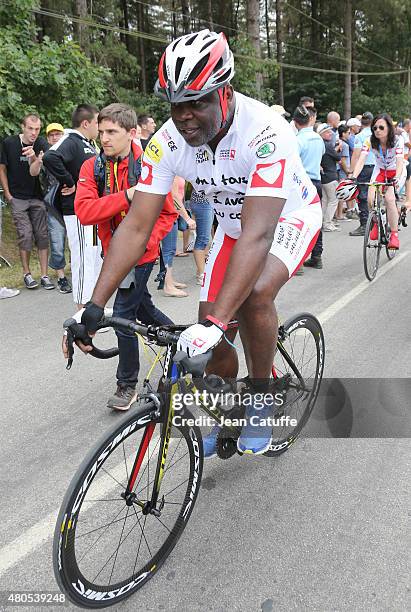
{"x": 364, "y": 177}
{"x": 169, "y": 245}
{"x": 57, "y": 237}
{"x": 135, "y": 303}
{"x": 204, "y": 214}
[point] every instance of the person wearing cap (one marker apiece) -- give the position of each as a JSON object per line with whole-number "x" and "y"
{"x": 366, "y": 172}
{"x": 329, "y": 177}
{"x": 55, "y": 221}
{"x": 277, "y": 108}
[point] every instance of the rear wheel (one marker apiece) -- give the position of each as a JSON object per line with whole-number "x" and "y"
{"x": 108, "y": 542}
{"x": 298, "y": 368}
{"x": 372, "y": 248}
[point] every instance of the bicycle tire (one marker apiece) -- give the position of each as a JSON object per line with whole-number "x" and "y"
{"x": 298, "y": 333}
{"x": 371, "y": 248}
{"x": 82, "y": 518}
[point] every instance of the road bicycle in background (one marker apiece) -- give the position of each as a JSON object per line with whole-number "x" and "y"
{"x": 131, "y": 498}
{"x": 377, "y": 218}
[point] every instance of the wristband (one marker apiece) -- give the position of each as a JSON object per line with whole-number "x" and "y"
{"x": 216, "y": 322}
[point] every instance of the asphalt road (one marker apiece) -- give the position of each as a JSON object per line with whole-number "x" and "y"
{"x": 323, "y": 527}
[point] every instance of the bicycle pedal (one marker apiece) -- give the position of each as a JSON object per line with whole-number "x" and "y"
{"x": 226, "y": 442}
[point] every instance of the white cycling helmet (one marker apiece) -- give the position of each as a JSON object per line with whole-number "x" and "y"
{"x": 347, "y": 190}
{"x": 193, "y": 66}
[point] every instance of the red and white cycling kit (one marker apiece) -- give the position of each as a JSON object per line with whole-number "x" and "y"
{"x": 386, "y": 161}
{"x": 257, "y": 157}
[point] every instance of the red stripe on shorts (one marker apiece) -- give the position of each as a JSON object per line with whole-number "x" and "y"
{"x": 219, "y": 268}
{"x": 308, "y": 251}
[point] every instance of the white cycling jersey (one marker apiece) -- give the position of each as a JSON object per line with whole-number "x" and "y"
{"x": 257, "y": 157}
{"x": 386, "y": 160}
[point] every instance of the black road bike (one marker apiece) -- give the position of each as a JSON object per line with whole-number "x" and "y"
{"x": 377, "y": 218}
{"x": 132, "y": 496}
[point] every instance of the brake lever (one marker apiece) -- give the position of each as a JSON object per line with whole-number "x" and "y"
{"x": 75, "y": 331}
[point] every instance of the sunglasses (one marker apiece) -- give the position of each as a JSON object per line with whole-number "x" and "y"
{"x": 378, "y": 127}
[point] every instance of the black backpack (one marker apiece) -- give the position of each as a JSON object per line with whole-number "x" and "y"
{"x": 100, "y": 164}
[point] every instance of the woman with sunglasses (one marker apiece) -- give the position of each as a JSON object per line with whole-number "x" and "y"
{"x": 389, "y": 165}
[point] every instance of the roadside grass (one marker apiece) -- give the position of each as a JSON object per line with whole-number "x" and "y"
{"x": 13, "y": 277}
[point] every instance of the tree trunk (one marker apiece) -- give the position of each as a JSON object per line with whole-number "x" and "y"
{"x": 143, "y": 76}
{"x": 279, "y": 41}
{"x": 210, "y": 15}
{"x": 185, "y": 8}
{"x": 348, "y": 53}
{"x": 315, "y": 32}
{"x": 267, "y": 29}
{"x": 353, "y": 53}
{"x": 253, "y": 31}
{"x": 126, "y": 23}
{"x": 173, "y": 17}
{"x": 81, "y": 29}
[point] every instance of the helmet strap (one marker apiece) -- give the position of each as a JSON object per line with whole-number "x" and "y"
{"x": 222, "y": 94}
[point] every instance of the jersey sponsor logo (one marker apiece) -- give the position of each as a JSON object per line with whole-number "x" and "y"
{"x": 265, "y": 150}
{"x": 298, "y": 223}
{"x": 172, "y": 145}
{"x": 227, "y": 154}
{"x": 146, "y": 176}
{"x": 154, "y": 150}
{"x": 269, "y": 175}
{"x": 202, "y": 156}
{"x": 166, "y": 135}
{"x": 258, "y": 136}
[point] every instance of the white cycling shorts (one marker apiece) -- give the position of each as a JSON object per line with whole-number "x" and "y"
{"x": 294, "y": 238}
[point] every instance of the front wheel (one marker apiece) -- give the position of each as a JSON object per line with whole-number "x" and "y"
{"x": 108, "y": 542}
{"x": 372, "y": 246}
{"x": 298, "y": 368}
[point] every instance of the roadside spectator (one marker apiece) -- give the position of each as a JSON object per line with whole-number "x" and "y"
{"x": 407, "y": 154}
{"x": 23, "y": 192}
{"x": 343, "y": 168}
{"x": 333, "y": 120}
{"x": 55, "y": 221}
{"x": 64, "y": 160}
{"x": 104, "y": 202}
{"x": 277, "y": 108}
{"x": 305, "y": 101}
{"x": 329, "y": 178}
{"x": 355, "y": 126}
{"x": 203, "y": 214}
{"x": 169, "y": 242}
{"x": 148, "y": 127}
{"x": 311, "y": 148}
{"x": 366, "y": 172}
{"x": 5, "y": 292}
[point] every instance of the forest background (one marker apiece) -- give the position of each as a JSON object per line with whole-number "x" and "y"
{"x": 351, "y": 56}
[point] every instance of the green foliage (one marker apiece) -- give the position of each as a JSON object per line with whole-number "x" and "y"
{"x": 246, "y": 68}
{"x": 48, "y": 78}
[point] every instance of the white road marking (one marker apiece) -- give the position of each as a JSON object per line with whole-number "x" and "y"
{"x": 342, "y": 302}
{"x": 36, "y": 535}
{"x": 33, "y": 537}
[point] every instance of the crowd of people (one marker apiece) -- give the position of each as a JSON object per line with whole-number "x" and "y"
{"x": 77, "y": 185}
{"x": 65, "y": 189}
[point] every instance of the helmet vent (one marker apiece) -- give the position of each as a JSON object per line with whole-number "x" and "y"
{"x": 198, "y": 68}
{"x": 179, "y": 65}
{"x": 191, "y": 40}
{"x": 207, "y": 44}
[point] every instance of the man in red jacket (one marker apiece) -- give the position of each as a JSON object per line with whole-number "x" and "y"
{"x": 104, "y": 192}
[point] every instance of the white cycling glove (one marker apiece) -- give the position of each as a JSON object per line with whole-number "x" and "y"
{"x": 201, "y": 337}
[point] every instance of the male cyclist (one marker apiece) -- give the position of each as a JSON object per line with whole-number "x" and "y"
{"x": 244, "y": 159}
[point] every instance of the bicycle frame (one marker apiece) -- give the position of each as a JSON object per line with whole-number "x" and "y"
{"x": 174, "y": 380}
